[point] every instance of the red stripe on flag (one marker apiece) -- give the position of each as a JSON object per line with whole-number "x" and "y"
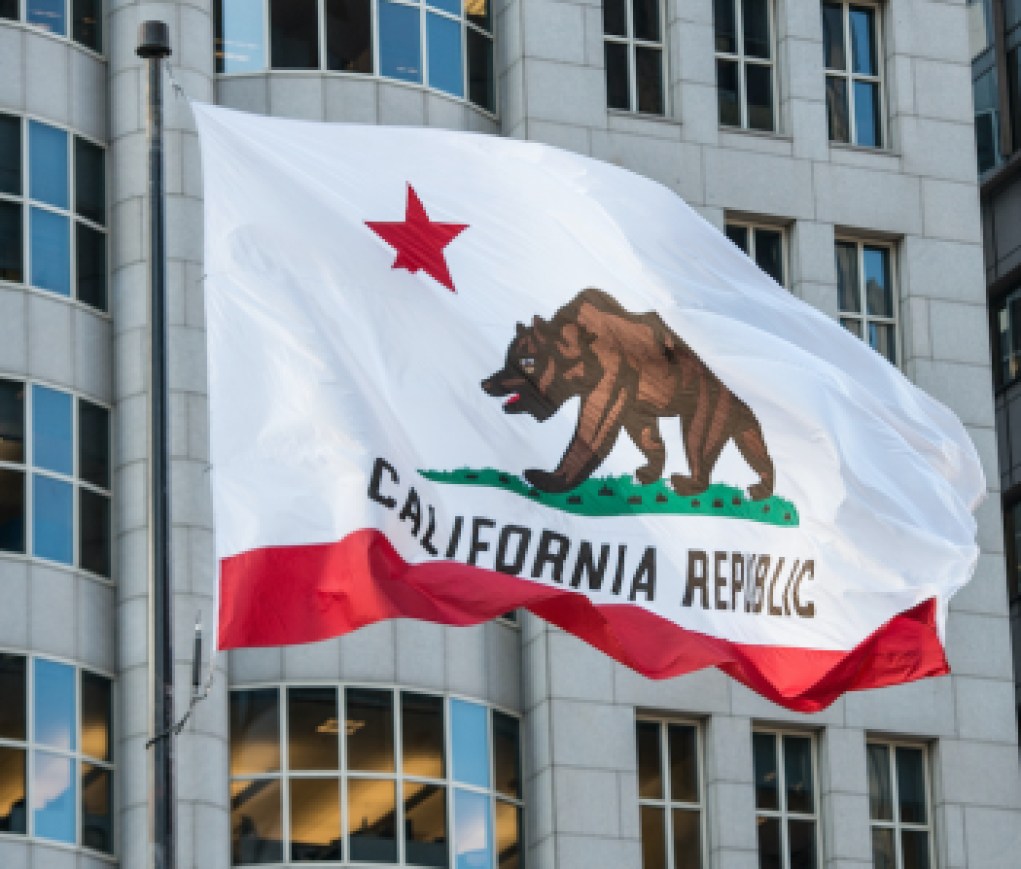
{"x": 301, "y": 594}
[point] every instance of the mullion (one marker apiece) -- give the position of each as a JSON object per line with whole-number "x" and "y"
{"x": 742, "y": 95}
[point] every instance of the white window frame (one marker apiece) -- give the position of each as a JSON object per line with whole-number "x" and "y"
{"x": 896, "y": 824}
{"x": 751, "y": 226}
{"x": 850, "y": 77}
{"x": 632, "y": 43}
{"x": 862, "y": 315}
{"x": 743, "y": 59}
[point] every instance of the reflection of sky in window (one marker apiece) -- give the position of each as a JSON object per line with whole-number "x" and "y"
{"x": 51, "y": 430}
{"x": 54, "y": 704}
{"x": 243, "y": 36}
{"x": 861, "y": 40}
{"x": 47, "y": 164}
{"x": 51, "y": 252}
{"x": 48, "y": 14}
{"x": 472, "y": 835}
{"x": 866, "y": 104}
{"x": 53, "y": 797}
{"x": 52, "y": 516}
{"x": 400, "y": 48}
{"x": 469, "y": 742}
{"x": 444, "y": 44}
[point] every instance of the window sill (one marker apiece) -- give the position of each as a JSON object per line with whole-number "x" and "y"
{"x": 863, "y": 149}
{"x": 770, "y": 135}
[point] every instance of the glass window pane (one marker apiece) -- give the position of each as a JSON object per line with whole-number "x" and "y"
{"x": 90, "y": 258}
{"x": 54, "y": 715}
{"x": 12, "y": 511}
{"x": 728, "y": 92}
{"x": 12, "y": 421}
{"x": 987, "y": 119}
{"x": 480, "y": 13}
{"x": 443, "y": 44}
{"x": 12, "y": 690}
{"x": 371, "y": 811}
{"x": 759, "y": 88}
{"x": 618, "y": 82}
{"x": 683, "y": 750}
{"x": 12, "y": 790}
{"x": 9, "y": 9}
{"x": 649, "y": 71}
{"x": 96, "y": 716}
{"x": 769, "y": 843}
{"x": 349, "y": 35}
{"x": 10, "y": 154}
{"x": 240, "y": 36}
{"x": 848, "y": 292}
{"x": 738, "y": 235}
{"x": 863, "y": 43}
{"x": 833, "y": 36}
{"x": 52, "y": 518}
{"x": 687, "y": 839}
{"x": 481, "y": 83}
{"x": 506, "y": 755}
{"x": 313, "y": 731}
{"x": 801, "y": 843}
{"x": 757, "y": 42}
{"x": 1014, "y": 94}
{"x": 451, "y": 6}
{"x": 47, "y": 163}
{"x": 422, "y": 735}
{"x": 315, "y": 819}
{"x": 97, "y": 808}
{"x": 797, "y": 753}
{"x": 878, "y": 291}
{"x": 650, "y": 764}
{"x": 94, "y": 532}
{"x": 767, "y": 795}
{"x": 473, "y": 836}
{"x": 508, "y": 836}
{"x": 256, "y": 829}
{"x": 653, "y": 837}
{"x": 425, "y": 824}
{"x": 882, "y": 339}
{"x": 880, "y": 792}
{"x": 615, "y": 17}
{"x": 911, "y": 785}
{"x": 646, "y": 20}
{"x": 853, "y": 326}
{"x": 294, "y": 34}
{"x": 53, "y": 796}
{"x": 883, "y": 854}
{"x": 47, "y": 14}
{"x": 469, "y": 743}
{"x": 94, "y": 444}
{"x": 837, "y": 119}
{"x": 254, "y": 731}
{"x": 769, "y": 252}
{"x": 51, "y": 430}
{"x": 725, "y": 26}
{"x": 370, "y": 730}
{"x": 51, "y": 251}
{"x": 12, "y": 244}
{"x": 89, "y": 181}
{"x": 400, "y": 49}
{"x": 87, "y": 23}
{"x": 866, "y": 114}
{"x": 915, "y": 848}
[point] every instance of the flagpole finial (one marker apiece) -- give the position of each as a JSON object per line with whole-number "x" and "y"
{"x": 153, "y": 39}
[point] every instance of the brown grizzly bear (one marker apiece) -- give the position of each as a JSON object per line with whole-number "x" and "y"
{"x": 629, "y": 370}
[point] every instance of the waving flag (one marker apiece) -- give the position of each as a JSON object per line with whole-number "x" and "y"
{"x": 452, "y": 374}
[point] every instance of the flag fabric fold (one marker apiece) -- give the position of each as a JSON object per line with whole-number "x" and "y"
{"x": 451, "y": 375}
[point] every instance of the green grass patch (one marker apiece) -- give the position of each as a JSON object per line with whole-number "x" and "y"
{"x": 622, "y": 496}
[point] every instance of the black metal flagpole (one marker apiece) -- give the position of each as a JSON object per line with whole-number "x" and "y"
{"x": 153, "y": 47}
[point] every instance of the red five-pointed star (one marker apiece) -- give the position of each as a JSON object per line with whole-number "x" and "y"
{"x": 419, "y": 242}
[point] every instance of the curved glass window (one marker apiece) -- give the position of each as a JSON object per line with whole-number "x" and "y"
{"x": 56, "y": 760}
{"x": 369, "y": 775}
{"x": 441, "y": 44}
{"x": 53, "y": 16}
{"x": 54, "y": 476}
{"x": 52, "y": 211}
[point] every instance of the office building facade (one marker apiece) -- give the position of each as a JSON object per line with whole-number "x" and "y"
{"x": 834, "y": 142}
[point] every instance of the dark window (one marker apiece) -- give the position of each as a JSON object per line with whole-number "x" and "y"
{"x": 851, "y": 52}
{"x": 87, "y": 23}
{"x": 866, "y": 296}
{"x": 898, "y": 806}
{"x": 90, "y": 181}
{"x": 12, "y": 510}
{"x": 987, "y": 119}
{"x": 785, "y": 800}
{"x": 764, "y": 244}
{"x": 349, "y": 35}
{"x": 744, "y": 63}
{"x": 1014, "y": 91}
{"x": 95, "y": 532}
{"x": 10, "y": 155}
{"x": 633, "y": 56}
{"x": 294, "y": 34}
{"x": 9, "y": 9}
{"x": 1007, "y": 338}
{"x": 90, "y": 259}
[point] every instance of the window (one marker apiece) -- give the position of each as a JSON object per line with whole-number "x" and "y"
{"x": 785, "y": 800}
{"x": 744, "y": 63}
{"x": 86, "y": 17}
{"x": 764, "y": 244}
{"x": 1014, "y": 93}
{"x": 56, "y": 753}
{"x": 633, "y": 53}
{"x": 853, "y": 55}
{"x": 54, "y": 476}
{"x": 436, "y": 43}
{"x": 1007, "y": 338}
{"x": 866, "y": 295}
{"x": 370, "y": 775}
{"x": 899, "y": 806}
{"x": 670, "y": 794}
{"x": 52, "y": 193}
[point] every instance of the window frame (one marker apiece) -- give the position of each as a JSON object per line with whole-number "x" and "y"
{"x": 850, "y": 77}
{"x": 753, "y": 226}
{"x": 898, "y": 826}
{"x": 100, "y": 54}
{"x": 632, "y": 44}
{"x": 782, "y": 813}
{"x": 862, "y": 316}
{"x": 742, "y": 60}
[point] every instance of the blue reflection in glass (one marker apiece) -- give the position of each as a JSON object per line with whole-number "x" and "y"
{"x": 469, "y": 739}
{"x": 51, "y": 519}
{"x": 444, "y": 42}
{"x": 473, "y": 834}
{"x": 47, "y": 163}
{"x": 400, "y": 45}
{"x": 53, "y": 797}
{"x": 54, "y": 704}
{"x": 51, "y": 430}
{"x": 51, "y": 252}
{"x": 48, "y": 14}
{"x": 244, "y": 38}
{"x": 866, "y": 114}
{"x": 861, "y": 41}
{"x": 451, "y": 6}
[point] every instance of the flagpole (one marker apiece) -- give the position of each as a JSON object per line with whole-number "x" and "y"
{"x": 153, "y": 47}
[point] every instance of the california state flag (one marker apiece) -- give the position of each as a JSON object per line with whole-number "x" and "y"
{"x": 452, "y": 374}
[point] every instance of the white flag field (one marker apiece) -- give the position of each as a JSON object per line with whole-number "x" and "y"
{"x": 453, "y": 374}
